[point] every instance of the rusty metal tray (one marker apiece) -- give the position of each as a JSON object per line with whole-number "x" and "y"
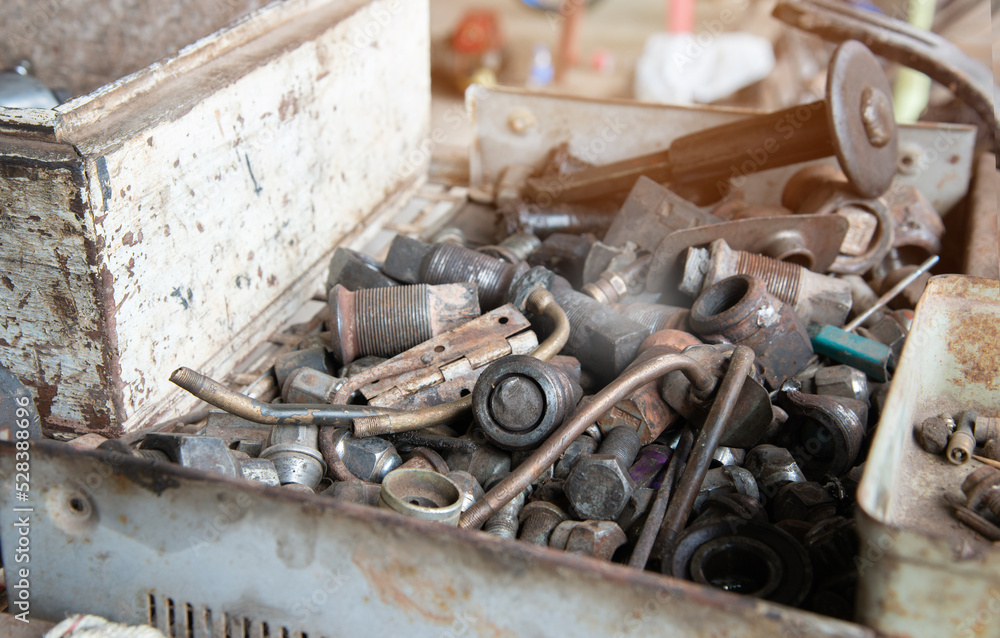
{"x": 922, "y": 573}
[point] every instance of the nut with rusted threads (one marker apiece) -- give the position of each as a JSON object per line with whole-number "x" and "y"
{"x": 504, "y": 522}
{"x": 387, "y": 321}
{"x": 816, "y": 298}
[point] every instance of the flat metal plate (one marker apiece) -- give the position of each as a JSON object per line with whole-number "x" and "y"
{"x": 937, "y": 157}
{"x": 120, "y": 538}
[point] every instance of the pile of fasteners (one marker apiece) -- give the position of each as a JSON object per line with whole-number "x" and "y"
{"x": 635, "y": 377}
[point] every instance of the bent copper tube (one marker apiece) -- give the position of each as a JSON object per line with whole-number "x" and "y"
{"x": 740, "y": 364}
{"x": 214, "y": 393}
{"x": 547, "y": 454}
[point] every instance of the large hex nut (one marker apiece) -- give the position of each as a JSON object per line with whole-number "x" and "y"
{"x": 773, "y": 467}
{"x": 598, "y": 539}
{"x": 369, "y": 458}
{"x": 842, "y": 381}
{"x": 598, "y": 487}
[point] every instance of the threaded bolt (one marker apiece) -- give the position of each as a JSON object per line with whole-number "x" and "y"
{"x": 387, "y": 321}
{"x": 653, "y": 316}
{"x": 521, "y": 245}
{"x": 982, "y": 487}
{"x": 154, "y": 455}
{"x": 622, "y": 443}
{"x": 504, "y": 521}
{"x": 538, "y": 519}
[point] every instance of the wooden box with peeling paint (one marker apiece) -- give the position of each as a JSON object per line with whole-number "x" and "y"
{"x": 188, "y": 201}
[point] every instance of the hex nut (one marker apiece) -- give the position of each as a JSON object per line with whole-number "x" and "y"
{"x": 808, "y": 501}
{"x": 842, "y": 381}
{"x": 773, "y": 467}
{"x": 368, "y": 458}
{"x": 598, "y": 539}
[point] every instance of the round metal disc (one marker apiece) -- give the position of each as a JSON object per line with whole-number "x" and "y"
{"x": 857, "y": 90}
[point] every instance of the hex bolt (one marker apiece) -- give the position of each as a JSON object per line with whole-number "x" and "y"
{"x": 773, "y": 467}
{"x": 962, "y": 442}
{"x": 306, "y": 385}
{"x": 653, "y": 316}
{"x": 598, "y": 487}
{"x": 604, "y": 341}
{"x": 413, "y": 261}
{"x": 855, "y": 122}
{"x": 356, "y": 271}
{"x": 504, "y": 522}
{"x": 934, "y": 432}
{"x": 538, "y": 519}
{"x": 387, "y": 321}
{"x": 816, "y": 298}
{"x": 519, "y": 400}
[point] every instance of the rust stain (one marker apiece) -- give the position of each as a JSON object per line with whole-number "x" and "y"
{"x": 7, "y": 282}
{"x": 131, "y": 239}
{"x": 388, "y": 576}
{"x": 974, "y": 341}
{"x": 289, "y": 106}
{"x": 200, "y": 228}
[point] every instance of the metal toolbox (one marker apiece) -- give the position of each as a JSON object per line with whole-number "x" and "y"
{"x": 922, "y": 572}
{"x": 178, "y": 214}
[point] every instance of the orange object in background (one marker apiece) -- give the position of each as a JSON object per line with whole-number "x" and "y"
{"x": 477, "y": 46}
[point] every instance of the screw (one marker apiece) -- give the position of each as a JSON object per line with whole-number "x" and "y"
{"x": 413, "y": 261}
{"x": 504, "y": 522}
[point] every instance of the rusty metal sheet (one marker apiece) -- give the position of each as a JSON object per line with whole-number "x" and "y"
{"x": 934, "y": 157}
{"x": 821, "y": 234}
{"x": 196, "y": 555}
{"x": 922, "y": 573}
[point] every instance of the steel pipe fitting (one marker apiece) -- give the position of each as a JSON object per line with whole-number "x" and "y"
{"x": 816, "y": 298}
{"x": 422, "y": 494}
{"x": 412, "y": 261}
{"x": 387, "y": 321}
{"x": 519, "y": 400}
{"x": 598, "y": 487}
{"x": 739, "y": 310}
